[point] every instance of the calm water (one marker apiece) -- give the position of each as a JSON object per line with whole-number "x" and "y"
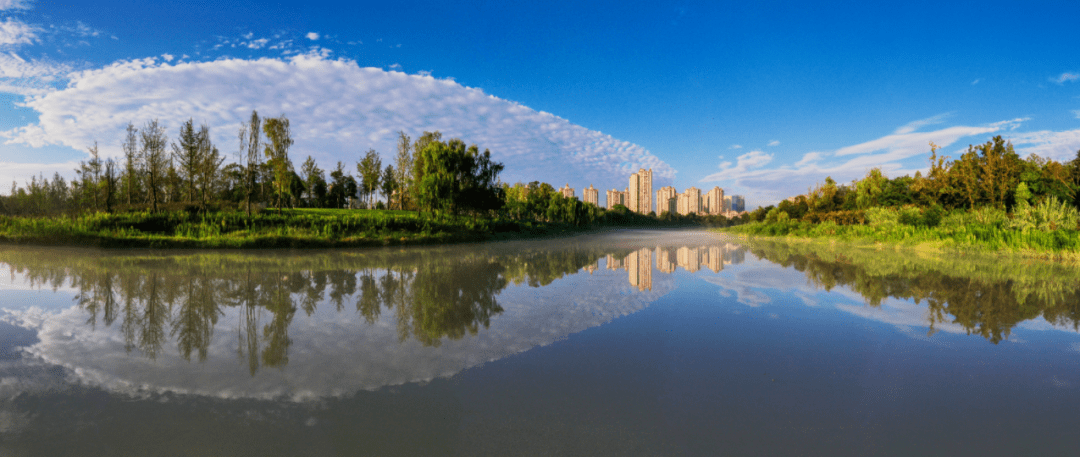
{"x": 626, "y": 343}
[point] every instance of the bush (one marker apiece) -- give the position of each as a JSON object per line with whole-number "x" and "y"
{"x": 1048, "y": 215}
{"x": 910, "y": 215}
{"x": 882, "y": 217}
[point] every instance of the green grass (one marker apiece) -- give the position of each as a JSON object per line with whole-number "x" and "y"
{"x": 953, "y": 234}
{"x": 293, "y": 228}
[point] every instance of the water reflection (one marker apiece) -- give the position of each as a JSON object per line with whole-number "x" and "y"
{"x": 984, "y": 295}
{"x": 378, "y": 308}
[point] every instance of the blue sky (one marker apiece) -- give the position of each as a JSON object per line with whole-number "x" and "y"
{"x": 762, "y": 99}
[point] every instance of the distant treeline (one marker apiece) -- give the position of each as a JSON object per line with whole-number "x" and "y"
{"x": 428, "y": 175}
{"x": 991, "y": 178}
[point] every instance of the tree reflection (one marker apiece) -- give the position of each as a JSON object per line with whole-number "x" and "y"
{"x": 433, "y": 294}
{"x": 985, "y": 295}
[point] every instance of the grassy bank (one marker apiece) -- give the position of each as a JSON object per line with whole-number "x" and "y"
{"x": 295, "y": 228}
{"x": 985, "y": 231}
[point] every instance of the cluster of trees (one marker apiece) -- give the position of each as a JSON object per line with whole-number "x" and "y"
{"x": 429, "y": 174}
{"x": 987, "y": 175}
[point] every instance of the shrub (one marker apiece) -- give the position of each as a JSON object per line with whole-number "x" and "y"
{"x": 882, "y": 217}
{"x": 1048, "y": 215}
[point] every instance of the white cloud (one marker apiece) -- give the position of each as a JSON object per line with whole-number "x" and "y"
{"x": 337, "y": 108}
{"x": 1060, "y": 146}
{"x": 257, "y": 44}
{"x": 14, "y": 32}
{"x": 396, "y": 66}
{"x": 167, "y": 57}
{"x": 1066, "y": 77}
{"x": 13, "y": 4}
{"x": 976, "y": 81}
{"x": 809, "y": 158}
{"x": 312, "y": 36}
{"x": 28, "y": 77}
{"x": 1076, "y": 112}
{"x": 916, "y": 125}
{"x": 767, "y": 185}
{"x": 744, "y": 163}
{"x": 735, "y": 146}
{"x": 774, "y": 143}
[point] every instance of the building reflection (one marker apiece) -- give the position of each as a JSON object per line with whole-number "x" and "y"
{"x": 639, "y": 264}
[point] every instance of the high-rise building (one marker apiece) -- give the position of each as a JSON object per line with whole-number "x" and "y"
{"x": 738, "y": 203}
{"x": 714, "y": 201}
{"x": 727, "y": 203}
{"x": 567, "y": 191}
{"x": 666, "y": 200}
{"x": 689, "y": 202}
{"x": 616, "y": 197}
{"x": 640, "y": 192}
{"x": 591, "y": 195}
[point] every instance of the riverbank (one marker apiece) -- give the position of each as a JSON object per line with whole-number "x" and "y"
{"x": 952, "y": 235}
{"x": 294, "y": 228}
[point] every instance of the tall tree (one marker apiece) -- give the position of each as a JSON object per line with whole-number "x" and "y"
{"x": 418, "y": 164}
{"x": 250, "y": 141}
{"x": 369, "y": 169}
{"x": 209, "y": 165}
{"x": 110, "y": 183}
{"x": 131, "y": 163}
{"x": 404, "y": 167}
{"x": 343, "y": 187}
{"x": 277, "y": 151}
{"x": 90, "y": 171}
{"x": 152, "y": 152}
{"x": 314, "y": 182}
{"x": 389, "y": 183}
{"x": 188, "y": 156}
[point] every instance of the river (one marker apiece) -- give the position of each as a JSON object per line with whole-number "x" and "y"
{"x": 664, "y": 342}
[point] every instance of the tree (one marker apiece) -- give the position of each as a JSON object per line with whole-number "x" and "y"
{"x": 389, "y": 183}
{"x": 131, "y": 163}
{"x": 188, "y": 154}
{"x": 452, "y": 177}
{"x": 869, "y": 189}
{"x": 369, "y": 169}
{"x": 314, "y": 182}
{"x": 91, "y": 176}
{"x": 343, "y": 187}
{"x": 404, "y": 162}
{"x": 155, "y": 163}
{"x": 210, "y": 165}
{"x": 110, "y": 183}
{"x": 418, "y": 166}
{"x": 250, "y": 141}
{"x": 277, "y": 150}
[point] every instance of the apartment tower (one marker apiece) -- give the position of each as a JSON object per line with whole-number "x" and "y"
{"x": 640, "y": 191}
{"x": 591, "y": 195}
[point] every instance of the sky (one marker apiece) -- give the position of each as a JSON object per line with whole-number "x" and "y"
{"x": 764, "y": 99}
